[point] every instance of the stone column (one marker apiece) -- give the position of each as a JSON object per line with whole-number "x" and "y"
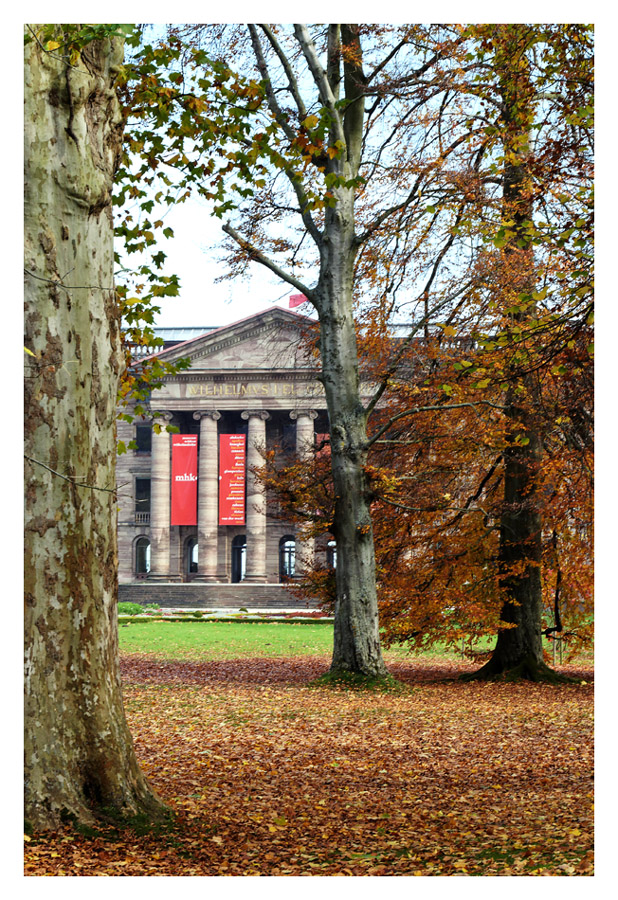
{"x": 256, "y": 499}
{"x": 305, "y": 444}
{"x": 160, "y": 500}
{"x": 208, "y": 496}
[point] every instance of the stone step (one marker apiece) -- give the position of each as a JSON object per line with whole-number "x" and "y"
{"x": 212, "y": 596}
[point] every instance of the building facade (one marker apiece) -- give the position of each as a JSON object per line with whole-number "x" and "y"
{"x": 252, "y": 384}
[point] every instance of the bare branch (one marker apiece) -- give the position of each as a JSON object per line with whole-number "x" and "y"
{"x": 274, "y": 107}
{"x": 257, "y": 255}
{"x": 72, "y": 478}
{"x": 292, "y": 83}
{"x": 321, "y": 79}
{"x": 437, "y": 408}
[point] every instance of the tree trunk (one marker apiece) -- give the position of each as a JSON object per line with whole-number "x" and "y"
{"x": 356, "y": 634}
{"x": 79, "y": 758}
{"x": 519, "y": 650}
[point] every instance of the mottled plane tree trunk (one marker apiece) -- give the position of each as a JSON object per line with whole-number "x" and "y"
{"x": 79, "y": 757}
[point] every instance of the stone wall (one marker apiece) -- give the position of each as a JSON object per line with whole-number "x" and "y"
{"x": 212, "y": 596}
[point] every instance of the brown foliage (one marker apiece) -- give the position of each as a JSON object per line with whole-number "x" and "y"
{"x": 436, "y": 476}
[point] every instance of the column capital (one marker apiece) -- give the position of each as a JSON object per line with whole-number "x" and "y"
{"x": 207, "y": 414}
{"x": 255, "y": 414}
{"x": 307, "y": 413}
{"x": 162, "y": 415}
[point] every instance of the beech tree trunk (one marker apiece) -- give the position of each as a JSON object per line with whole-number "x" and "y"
{"x": 356, "y": 632}
{"x": 357, "y": 642}
{"x": 520, "y": 549}
{"x": 79, "y": 758}
{"x": 519, "y": 649}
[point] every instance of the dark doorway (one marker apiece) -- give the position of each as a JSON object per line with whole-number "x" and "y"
{"x": 287, "y": 557}
{"x": 191, "y": 557}
{"x": 239, "y": 558}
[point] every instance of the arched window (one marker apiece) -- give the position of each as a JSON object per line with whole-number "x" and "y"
{"x": 239, "y": 558}
{"x": 287, "y": 557}
{"x": 331, "y": 554}
{"x": 142, "y": 556}
{"x": 191, "y": 555}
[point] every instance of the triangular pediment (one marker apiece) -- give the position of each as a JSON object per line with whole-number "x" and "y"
{"x": 270, "y": 340}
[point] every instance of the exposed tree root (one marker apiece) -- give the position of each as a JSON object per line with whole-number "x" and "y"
{"x": 528, "y": 669}
{"x": 143, "y": 810}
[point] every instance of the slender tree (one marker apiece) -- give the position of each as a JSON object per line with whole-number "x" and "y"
{"x": 527, "y": 332}
{"x": 79, "y": 756}
{"x": 458, "y": 544}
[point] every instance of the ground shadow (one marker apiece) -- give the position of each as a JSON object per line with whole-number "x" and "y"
{"x": 139, "y": 669}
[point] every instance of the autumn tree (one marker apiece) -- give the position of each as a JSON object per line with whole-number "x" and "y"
{"x": 483, "y": 430}
{"x": 318, "y": 158}
{"x": 378, "y": 170}
{"x": 531, "y": 297}
{"x": 532, "y": 332}
{"x": 79, "y": 756}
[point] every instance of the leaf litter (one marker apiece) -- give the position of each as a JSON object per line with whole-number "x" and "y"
{"x": 270, "y": 776}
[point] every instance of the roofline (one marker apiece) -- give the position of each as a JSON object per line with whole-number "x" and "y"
{"x": 217, "y": 328}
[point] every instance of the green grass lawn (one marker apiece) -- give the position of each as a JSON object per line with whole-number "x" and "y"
{"x": 225, "y": 640}
{"x": 234, "y": 640}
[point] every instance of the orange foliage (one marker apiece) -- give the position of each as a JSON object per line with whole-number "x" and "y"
{"x": 436, "y": 481}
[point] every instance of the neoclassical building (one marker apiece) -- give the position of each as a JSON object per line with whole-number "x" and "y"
{"x": 193, "y": 527}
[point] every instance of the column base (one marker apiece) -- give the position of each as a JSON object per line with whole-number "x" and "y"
{"x": 161, "y": 576}
{"x": 255, "y": 579}
{"x": 206, "y": 579}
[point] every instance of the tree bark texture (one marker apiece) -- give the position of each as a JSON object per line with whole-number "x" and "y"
{"x": 356, "y": 637}
{"x": 356, "y": 633}
{"x": 520, "y": 646}
{"x": 79, "y": 757}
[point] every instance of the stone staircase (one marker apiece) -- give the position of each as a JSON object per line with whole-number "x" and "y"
{"x": 193, "y": 595}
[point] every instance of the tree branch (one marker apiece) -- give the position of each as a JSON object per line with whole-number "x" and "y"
{"x": 258, "y": 256}
{"x": 321, "y": 80}
{"x": 293, "y": 84}
{"x": 419, "y": 409}
{"x": 71, "y": 478}
{"x": 281, "y": 120}
{"x": 404, "y": 346}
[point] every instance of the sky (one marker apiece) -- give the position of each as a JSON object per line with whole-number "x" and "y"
{"x": 192, "y": 255}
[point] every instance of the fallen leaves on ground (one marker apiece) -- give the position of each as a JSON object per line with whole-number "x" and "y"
{"x": 269, "y": 776}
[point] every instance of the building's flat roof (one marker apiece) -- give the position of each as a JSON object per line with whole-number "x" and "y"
{"x": 183, "y": 333}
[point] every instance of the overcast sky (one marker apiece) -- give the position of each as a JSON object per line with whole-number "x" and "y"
{"x": 192, "y": 255}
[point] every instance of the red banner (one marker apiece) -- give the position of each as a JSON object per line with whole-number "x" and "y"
{"x": 232, "y": 479}
{"x": 184, "y": 479}
{"x": 297, "y": 300}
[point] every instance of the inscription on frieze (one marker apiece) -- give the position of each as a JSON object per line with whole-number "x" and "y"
{"x": 259, "y": 389}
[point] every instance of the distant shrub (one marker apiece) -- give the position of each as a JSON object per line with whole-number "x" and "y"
{"x": 129, "y": 609}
